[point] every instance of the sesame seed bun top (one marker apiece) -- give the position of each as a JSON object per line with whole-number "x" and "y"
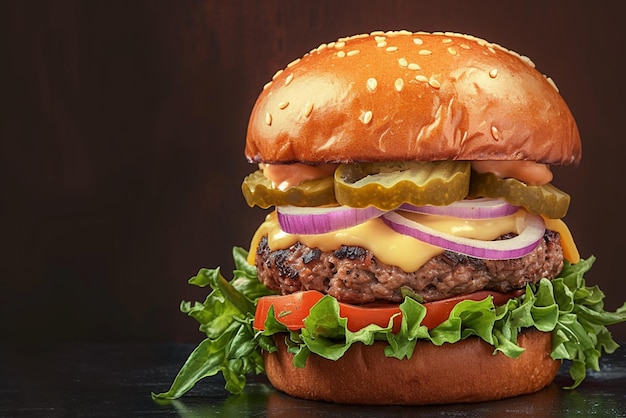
{"x": 396, "y": 96}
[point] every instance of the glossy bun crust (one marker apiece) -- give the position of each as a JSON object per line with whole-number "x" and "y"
{"x": 466, "y": 371}
{"x": 411, "y": 96}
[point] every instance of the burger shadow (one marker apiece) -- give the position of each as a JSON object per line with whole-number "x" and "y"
{"x": 260, "y": 399}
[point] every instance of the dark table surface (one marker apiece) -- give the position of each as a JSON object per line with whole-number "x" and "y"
{"x": 115, "y": 380}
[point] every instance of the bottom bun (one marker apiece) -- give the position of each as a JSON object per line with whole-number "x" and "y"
{"x": 466, "y": 371}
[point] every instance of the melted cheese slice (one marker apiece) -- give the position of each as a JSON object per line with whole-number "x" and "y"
{"x": 387, "y": 245}
{"x": 570, "y": 251}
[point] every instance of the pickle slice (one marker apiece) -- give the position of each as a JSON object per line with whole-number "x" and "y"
{"x": 257, "y": 190}
{"x": 387, "y": 185}
{"x": 545, "y": 200}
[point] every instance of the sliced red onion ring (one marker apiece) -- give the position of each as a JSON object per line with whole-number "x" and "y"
{"x": 482, "y": 208}
{"x": 516, "y": 247}
{"x": 319, "y": 220}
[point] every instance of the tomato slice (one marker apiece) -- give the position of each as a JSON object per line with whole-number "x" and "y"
{"x": 291, "y": 310}
{"x": 378, "y": 313}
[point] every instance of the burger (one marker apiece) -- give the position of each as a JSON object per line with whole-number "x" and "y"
{"x": 413, "y": 237}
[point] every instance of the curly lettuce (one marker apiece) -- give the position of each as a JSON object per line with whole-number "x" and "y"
{"x": 569, "y": 309}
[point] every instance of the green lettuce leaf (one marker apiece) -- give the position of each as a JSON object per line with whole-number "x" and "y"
{"x": 565, "y": 306}
{"x": 231, "y": 345}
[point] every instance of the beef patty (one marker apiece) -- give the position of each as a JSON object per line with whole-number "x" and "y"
{"x": 354, "y": 275}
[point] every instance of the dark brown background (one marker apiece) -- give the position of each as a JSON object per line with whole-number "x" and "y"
{"x": 122, "y": 126}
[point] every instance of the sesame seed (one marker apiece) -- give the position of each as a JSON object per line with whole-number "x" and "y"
{"x": 340, "y": 44}
{"x": 499, "y": 47}
{"x": 446, "y": 41}
{"x": 552, "y": 83}
{"x": 353, "y": 52}
{"x": 465, "y": 46}
{"x": 289, "y": 79}
{"x": 381, "y": 44}
{"x": 527, "y": 60}
{"x": 469, "y": 37}
{"x": 418, "y": 41}
{"x": 380, "y": 38}
{"x": 515, "y": 54}
{"x": 403, "y": 62}
{"x": 451, "y": 51}
{"x": 434, "y": 83}
{"x": 495, "y": 133}
{"x": 268, "y": 119}
{"x": 283, "y": 105}
{"x": 414, "y": 66}
{"x": 279, "y": 72}
{"x": 366, "y": 117}
{"x": 425, "y": 52}
{"x": 490, "y": 48}
{"x": 267, "y": 85}
{"x": 294, "y": 62}
{"x": 421, "y": 78}
{"x": 398, "y": 84}
{"x": 341, "y": 54}
{"x": 391, "y": 49}
{"x": 308, "y": 108}
{"x": 493, "y": 73}
{"x": 372, "y": 84}
{"x": 322, "y": 47}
